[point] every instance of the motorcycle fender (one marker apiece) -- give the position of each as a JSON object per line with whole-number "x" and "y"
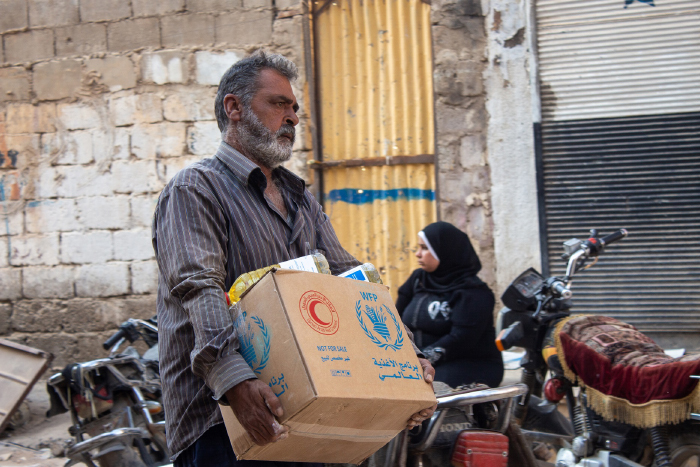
{"x": 480, "y": 448}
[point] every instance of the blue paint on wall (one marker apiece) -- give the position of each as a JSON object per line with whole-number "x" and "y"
{"x": 358, "y": 196}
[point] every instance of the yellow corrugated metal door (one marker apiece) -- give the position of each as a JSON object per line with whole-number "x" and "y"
{"x": 375, "y": 90}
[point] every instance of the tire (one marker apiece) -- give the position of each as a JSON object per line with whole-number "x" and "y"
{"x": 684, "y": 448}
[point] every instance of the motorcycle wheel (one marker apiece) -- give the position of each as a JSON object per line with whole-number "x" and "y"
{"x": 685, "y": 449}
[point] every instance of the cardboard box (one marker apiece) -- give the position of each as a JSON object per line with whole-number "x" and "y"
{"x": 337, "y": 355}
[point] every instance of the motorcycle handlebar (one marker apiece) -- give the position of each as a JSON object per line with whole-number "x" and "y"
{"x": 613, "y": 237}
{"x": 560, "y": 289}
{"x": 113, "y": 339}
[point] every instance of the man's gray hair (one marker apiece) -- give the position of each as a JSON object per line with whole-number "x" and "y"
{"x": 241, "y": 80}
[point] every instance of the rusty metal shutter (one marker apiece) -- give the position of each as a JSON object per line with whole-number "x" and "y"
{"x": 374, "y": 74}
{"x": 620, "y": 147}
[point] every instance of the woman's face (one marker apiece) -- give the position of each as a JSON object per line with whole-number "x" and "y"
{"x": 426, "y": 260}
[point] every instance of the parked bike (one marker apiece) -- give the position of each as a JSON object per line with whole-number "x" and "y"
{"x": 115, "y": 402}
{"x": 471, "y": 427}
{"x": 598, "y": 364}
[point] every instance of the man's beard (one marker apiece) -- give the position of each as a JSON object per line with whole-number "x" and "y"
{"x": 261, "y": 144}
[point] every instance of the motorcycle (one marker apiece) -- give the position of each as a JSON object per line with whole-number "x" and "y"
{"x": 470, "y": 427}
{"x": 115, "y": 403}
{"x": 537, "y": 317}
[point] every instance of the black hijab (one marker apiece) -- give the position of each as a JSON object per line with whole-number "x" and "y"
{"x": 458, "y": 260}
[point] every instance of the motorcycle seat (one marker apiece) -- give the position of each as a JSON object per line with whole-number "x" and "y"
{"x": 627, "y": 376}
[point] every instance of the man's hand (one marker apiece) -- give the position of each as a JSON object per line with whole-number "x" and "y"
{"x": 428, "y": 375}
{"x": 255, "y": 407}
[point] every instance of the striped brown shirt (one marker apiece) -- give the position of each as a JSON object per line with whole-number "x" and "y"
{"x": 211, "y": 224}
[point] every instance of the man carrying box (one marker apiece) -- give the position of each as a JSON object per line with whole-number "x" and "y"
{"x": 218, "y": 218}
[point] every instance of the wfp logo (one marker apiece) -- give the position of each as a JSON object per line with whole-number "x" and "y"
{"x": 253, "y": 344}
{"x": 377, "y": 316}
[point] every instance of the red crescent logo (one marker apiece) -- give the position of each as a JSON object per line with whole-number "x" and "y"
{"x": 307, "y": 307}
{"x": 312, "y": 312}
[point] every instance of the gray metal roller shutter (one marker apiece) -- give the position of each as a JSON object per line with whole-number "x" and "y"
{"x": 620, "y": 147}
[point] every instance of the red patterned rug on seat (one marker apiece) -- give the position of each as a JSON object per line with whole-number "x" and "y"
{"x": 628, "y": 376}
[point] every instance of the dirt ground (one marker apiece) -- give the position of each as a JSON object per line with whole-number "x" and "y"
{"x": 39, "y": 441}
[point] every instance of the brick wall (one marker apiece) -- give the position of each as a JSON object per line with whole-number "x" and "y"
{"x": 101, "y": 103}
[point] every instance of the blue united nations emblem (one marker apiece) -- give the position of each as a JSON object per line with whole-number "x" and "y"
{"x": 381, "y": 333}
{"x": 254, "y": 345}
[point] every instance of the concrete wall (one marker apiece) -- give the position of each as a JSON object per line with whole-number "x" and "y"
{"x": 102, "y": 102}
{"x": 485, "y": 110}
{"x": 462, "y": 124}
{"x": 513, "y": 108}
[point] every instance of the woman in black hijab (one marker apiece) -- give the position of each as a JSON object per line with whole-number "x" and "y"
{"x": 450, "y": 310}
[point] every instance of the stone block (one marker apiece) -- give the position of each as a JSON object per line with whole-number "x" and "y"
{"x": 139, "y": 108}
{"x": 133, "y": 34}
{"x": 78, "y": 116}
{"x": 51, "y": 215}
{"x": 87, "y": 247}
{"x": 106, "y": 144}
{"x": 167, "y": 168}
{"x": 5, "y": 314}
{"x": 163, "y": 68}
{"x": 14, "y": 82}
{"x": 161, "y": 7}
{"x": 14, "y": 15}
{"x": 37, "y": 316}
{"x": 21, "y": 154}
{"x": 213, "y": 5}
{"x": 68, "y": 148}
{"x": 190, "y": 104}
{"x": 472, "y": 151}
{"x": 57, "y": 80}
{"x": 103, "y": 315}
{"x": 13, "y": 224}
{"x": 46, "y": 186}
{"x": 104, "y": 212}
{"x": 203, "y": 138}
{"x": 51, "y": 13}
{"x": 139, "y": 307}
{"x": 28, "y": 118}
{"x": 250, "y": 4}
{"x": 287, "y": 4}
{"x": 48, "y": 282}
{"x": 29, "y": 46}
{"x": 458, "y": 120}
{"x": 34, "y": 250}
{"x": 77, "y": 181}
{"x": 121, "y": 143}
{"x": 133, "y": 245}
{"x": 81, "y": 39}
{"x": 244, "y": 28}
{"x": 103, "y": 10}
{"x": 210, "y": 66}
{"x": 158, "y": 140}
{"x": 190, "y": 29}
{"x": 10, "y": 283}
{"x": 103, "y": 280}
{"x": 142, "y": 209}
{"x": 287, "y": 36}
{"x": 135, "y": 177}
{"x": 116, "y": 73}
{"x": 67, "y": 348}
{"x": 144, "y": 277}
